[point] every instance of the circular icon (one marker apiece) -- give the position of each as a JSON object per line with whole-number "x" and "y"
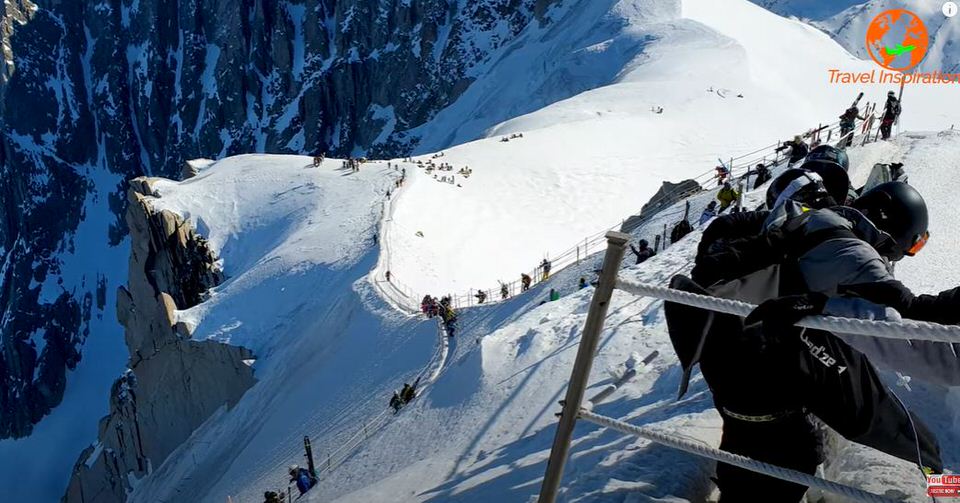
{"x": 897, "y": 40}
{"x": 950, "y": 9}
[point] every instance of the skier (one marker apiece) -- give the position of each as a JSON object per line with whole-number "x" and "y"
{"x": 388, "y": 276}
{"x": 798, "y": 149}
{"x": 727, "y": 196}
{"x": 583, "y": 283}
{"x": 708, "y": 213}
{"x": 766, "y": 375}
{"x": 481, "y": 296}
{"x": 504, "y": 291}
{"x": 395, "y": 402}
{"x": 525, "y": 281}
{"x": 722, "y": 174}
{"x": 680, "y": 230}
{"x": 848, "y": 121}
{"x": 762, "y": 174}
{"x": 644, "y": 252}
{"x": 545, "y": 266}
{"x": 409, "y": 392}
{"x": 891, "y": 112}
{"x": 302, "y": 477}
{"x": 271, "y": 497}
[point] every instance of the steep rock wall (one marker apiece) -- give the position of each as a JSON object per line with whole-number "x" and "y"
{"x": 173, "y": 383}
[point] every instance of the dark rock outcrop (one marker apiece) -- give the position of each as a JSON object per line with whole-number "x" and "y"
{"x": 173, "y": 383}
{"x": 669, "y": 194}
{"x": 100, "y": 92}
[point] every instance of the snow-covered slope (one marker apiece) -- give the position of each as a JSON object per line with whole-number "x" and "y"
{"x": 847, "y": 22}
{"x": 589, "y": 161}
{"x": 298, "y": 246}
{"x": 494, "y": 404}
{"x": 295, "y": 241}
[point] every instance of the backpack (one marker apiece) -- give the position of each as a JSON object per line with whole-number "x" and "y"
{"x": 754, "y": 373}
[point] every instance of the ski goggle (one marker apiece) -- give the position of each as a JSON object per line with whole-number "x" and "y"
{"x": 918, "y": 243}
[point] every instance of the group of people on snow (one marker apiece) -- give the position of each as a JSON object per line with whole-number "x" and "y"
{"x": 817, "y": 247}
{"x": 513, "y": 136}
{"x": 443, "y": 308}
{"x": 404, "y": 396}
{"x": 318, "y": 159}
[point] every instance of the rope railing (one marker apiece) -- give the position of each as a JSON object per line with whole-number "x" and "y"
{"x": 664, "y": 438}
{"x": 339, "y": 455}
{"x": 902, "y": 330}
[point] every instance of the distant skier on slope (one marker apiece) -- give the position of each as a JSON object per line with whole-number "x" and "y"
{"x": 798, "y": 149}
{"x": 302, "y": 478}
{"x": 504, "y": 291}
{"x": 762, "y": 173}
{"x": 525, "y": 281}
{"x": 583, "y": 283}
{"x": 545, "y": 267}
{"x": 766, "y": 375}
{"x": 848, "y": 121}
{"x": 727, "y": 196}
{"x": 271, "y": 497}
{"x": 708, "y": 213}
{"x": 891, "y": 112}
{"x": 481, "y": 296}
{"x": 644, "y": 252}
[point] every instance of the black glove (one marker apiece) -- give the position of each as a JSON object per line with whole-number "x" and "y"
{"x": 782, "y": 313}
{"x": 888, "y": 293}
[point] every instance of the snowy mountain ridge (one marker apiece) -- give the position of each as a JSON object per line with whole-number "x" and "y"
{"x": 592, "y": 152}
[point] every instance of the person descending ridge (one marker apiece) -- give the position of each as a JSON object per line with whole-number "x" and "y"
{"x": 304, "y": 480}
{"x": 545, "y": 267}
{"x": 763, "y": 175}
{"x": 481, "y": 296}
{"x": 848, "y": 121}
{"x": 644, "y": 252}
{"x": 708, "y": 213}
{"x": 891, "y": 112}
{"x": 727, "y": 196}
{"x": 798, "y": 149}
{"x": 504, "y": 291}
{"x": 767, "y": 375}
{"x": 525, "y": 281}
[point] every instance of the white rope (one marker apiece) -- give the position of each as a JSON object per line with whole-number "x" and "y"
{"x": 733, "y": 459}
{"x": 904, "y": 330}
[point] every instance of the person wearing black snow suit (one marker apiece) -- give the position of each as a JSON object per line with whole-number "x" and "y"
{"x": 680, "y": 230}
{"x": 798, "y": 149}
{"x": 848, "y": 121}
{"x": 766, "y": 375}
{"x": 271, "y": 497}
{"x": 395, "y": 402}
{"x": 763, "y": 175}
{"x": 891, "y": 112}
{"x": 644, "y": 252}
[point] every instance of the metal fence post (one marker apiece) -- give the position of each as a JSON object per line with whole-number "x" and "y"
{"x": 616, "y": 241}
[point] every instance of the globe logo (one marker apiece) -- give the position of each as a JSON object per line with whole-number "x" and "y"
{"x": 897, "y": 40}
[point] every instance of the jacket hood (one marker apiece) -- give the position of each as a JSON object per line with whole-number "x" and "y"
{"x": 845, "y": 217}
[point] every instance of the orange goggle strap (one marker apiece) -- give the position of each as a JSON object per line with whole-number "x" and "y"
{"x": 918, "y": 243}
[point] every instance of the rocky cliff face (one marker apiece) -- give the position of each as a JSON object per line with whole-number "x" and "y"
{"x": 173, "y": 383}
{"x": 95, "y": 93}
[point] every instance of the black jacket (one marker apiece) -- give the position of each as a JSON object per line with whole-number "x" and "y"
{"x": 755, "y": 373}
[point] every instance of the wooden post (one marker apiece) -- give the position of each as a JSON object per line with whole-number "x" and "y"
{"x": 580, "y": 375}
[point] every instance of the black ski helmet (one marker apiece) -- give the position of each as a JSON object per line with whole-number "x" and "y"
{"x": 899, "y": 210}
{"x": 804, "y": 186}
{"x": 830, "y": 153}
